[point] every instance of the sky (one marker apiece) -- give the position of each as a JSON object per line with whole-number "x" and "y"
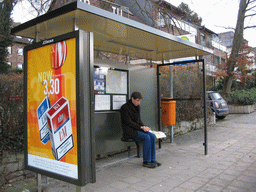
{"x": 220, "y": 14}
{"x": 216, "y": 15}
{"x": 21, "y": 12}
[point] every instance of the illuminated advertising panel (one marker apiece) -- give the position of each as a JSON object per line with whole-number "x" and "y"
{"x": 52, "y": 109}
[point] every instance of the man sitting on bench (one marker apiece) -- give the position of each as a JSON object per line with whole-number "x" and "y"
{"x": 133, "y": 128}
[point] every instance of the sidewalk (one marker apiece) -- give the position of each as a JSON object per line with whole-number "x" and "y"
{"x": 229, "y": 166}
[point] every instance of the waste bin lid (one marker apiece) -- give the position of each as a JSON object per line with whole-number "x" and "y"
{"x": 166, "y": 99}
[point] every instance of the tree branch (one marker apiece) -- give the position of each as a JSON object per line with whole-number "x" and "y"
{"x": 250, "y": 15}
{"x": 249, "y": 27}
{"x": 249, "y": 2}
{"x": 225, "y": 27}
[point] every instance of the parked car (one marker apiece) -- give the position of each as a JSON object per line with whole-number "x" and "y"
{"x": 218, "y": 104}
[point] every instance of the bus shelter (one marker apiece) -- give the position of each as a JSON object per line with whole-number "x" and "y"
{"x": 72, "y": 98}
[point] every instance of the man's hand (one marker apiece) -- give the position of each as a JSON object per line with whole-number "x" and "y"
{"x": 145, "y": 128}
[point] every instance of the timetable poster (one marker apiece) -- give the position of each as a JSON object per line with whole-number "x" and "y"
{"x": 99, "y": 81}
{"x": 51, "y": 108}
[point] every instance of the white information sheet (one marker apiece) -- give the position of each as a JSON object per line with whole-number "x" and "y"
{"x": 102, "y": 102}
{"x": 118, "y": 101}
{"x": 116, "y": 82}
{"x": 58, "y": 167}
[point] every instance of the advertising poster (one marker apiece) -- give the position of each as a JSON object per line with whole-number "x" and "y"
{"x": 51, "y": 108}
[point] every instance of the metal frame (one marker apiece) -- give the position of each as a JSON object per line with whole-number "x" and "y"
{"x": 85, "y": 108}
{"x": 113, "y": 94}
{"x": 204, "y": 94}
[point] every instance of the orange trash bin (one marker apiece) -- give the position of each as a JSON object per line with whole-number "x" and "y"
{"x": 168, "y": 111}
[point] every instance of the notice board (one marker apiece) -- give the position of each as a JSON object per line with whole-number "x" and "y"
{"x": 110, "y": 88}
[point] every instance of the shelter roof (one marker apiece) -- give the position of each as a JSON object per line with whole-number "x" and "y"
{"x": 112, "y": 33}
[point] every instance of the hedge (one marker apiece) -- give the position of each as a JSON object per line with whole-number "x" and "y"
{"x": 11, "y": 112}
{"x": 244, "y": 97}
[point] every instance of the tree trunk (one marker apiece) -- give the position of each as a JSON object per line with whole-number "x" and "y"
{"x": 237, "y": 41}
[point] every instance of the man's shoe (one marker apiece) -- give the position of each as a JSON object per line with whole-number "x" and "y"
{"x": 149, "y": 165}
{"x": 156, "y": 163}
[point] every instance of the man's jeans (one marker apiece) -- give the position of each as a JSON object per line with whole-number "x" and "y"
{"x": 149, "y": 148}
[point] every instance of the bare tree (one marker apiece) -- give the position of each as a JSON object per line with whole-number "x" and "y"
{"x": 40, "y": 6}
{"x": 247, "y": 9}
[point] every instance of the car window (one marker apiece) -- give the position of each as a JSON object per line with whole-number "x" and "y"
{"x": 216, "y": 96}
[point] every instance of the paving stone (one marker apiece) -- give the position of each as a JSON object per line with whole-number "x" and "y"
{"x": 159, "y": 188}
{"x": 131, "y": 180}
{"x": 232, "y": 172}
{"x": 227, "y": 177}
{"x": 190, "y": 186}
{"x": 219, "y": 182}
{"x": 211, "y": 188}
{"x": 207, "y": 175}
{"x": 234, "y": 189}
{"x": 199, "y": 180}
{"x": 180, "y": 190}
{"x": 251, "y": 173}
{"x": 246, "y": 179}
{"x": 241, "y": 184}
{"x": 118, "y": 185}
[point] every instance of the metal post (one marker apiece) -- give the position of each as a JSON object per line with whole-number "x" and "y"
{"x": 214, "y": 118}
{"x": 158, "y": 103}
{"x": 171, "y": 96}
{"x": 80, "y": 189}
{"x": 171, "y": 82}
{"x": 39, "y": 182}
{"x": 205, "y": 112}
{"x": 36, "y": 34}
{"x": 171, "y": 134}
{"x": 75, "y": 27}
{"x": 39, "y": 176}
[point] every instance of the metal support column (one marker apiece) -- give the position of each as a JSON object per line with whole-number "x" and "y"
{"x": 75, "y": 27}
{"x": 171, "y": 134}
{"x": 158, "y": 103}
{"x": 39, "y": 176}
{"x": 205, "y": 111}
{"x": 80, "y": 189}
{"x": 39, "y": 182}
{"x": 171, "y": 96}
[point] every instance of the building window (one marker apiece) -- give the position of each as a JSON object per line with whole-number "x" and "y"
{"x": 20, "y": 65}
{"x": 9, "y": 50}
{"x": 203, "y": 39}
{"x": 20, "y": 51}
{"x": 216, "y": 60}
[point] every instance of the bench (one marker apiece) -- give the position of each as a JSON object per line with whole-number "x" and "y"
{"x": 138, "y": 145}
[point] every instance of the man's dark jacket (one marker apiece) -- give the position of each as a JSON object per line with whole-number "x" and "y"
{"x": 130, "y": 119}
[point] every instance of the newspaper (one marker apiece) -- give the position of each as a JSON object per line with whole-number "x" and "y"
{"x": 159, "y": 134}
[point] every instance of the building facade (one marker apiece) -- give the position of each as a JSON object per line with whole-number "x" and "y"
{"x": 15, "y": 52}
{"x": 227, "y": 40}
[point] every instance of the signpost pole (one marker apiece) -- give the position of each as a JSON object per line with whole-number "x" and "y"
{"x": 39, "y": 182}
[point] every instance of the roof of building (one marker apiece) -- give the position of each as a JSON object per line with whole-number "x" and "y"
{"x": 21, "y": 40}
